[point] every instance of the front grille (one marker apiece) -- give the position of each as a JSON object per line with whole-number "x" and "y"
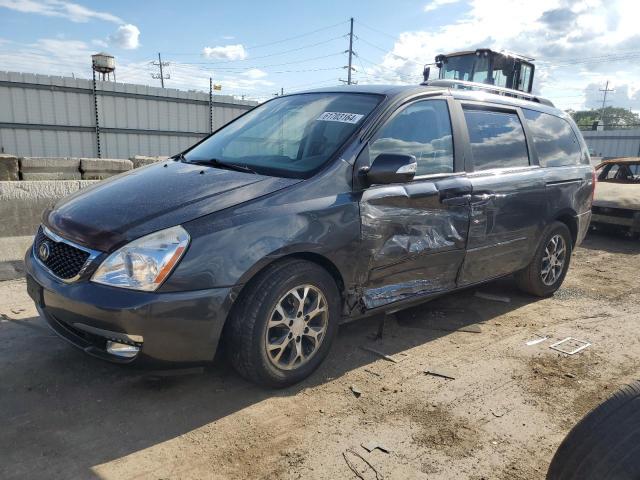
{"x": 65, "y": 261}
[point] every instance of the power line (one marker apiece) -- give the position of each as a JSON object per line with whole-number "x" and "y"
{"x": 388, "y": 52}
{"x": 597, "y": 59}
{"x": 401, "y": 75}
{"x": 265, "y": 66}
{"x": 296, "y": 36}
{"x": 376, "y": 30}
{"x": 253, "y": 47}
{"x": 306, "y": 85}
{"x": 283, "y": 52}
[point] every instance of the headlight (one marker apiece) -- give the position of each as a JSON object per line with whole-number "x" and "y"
{"x": 144, "y": 263}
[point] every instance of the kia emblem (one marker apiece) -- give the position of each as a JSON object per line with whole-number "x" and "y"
{"x": 44, "y": 250}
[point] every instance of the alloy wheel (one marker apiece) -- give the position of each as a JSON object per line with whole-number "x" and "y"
{"x": 297, "y": 326}
{"x": 553, "y": 261}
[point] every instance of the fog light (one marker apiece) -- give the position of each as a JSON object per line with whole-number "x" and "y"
{"x": 122, "y": 349}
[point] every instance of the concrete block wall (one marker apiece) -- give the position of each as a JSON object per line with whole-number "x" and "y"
{"x": 30, "y": 185}
{"x": 36, "y": 168}
{"x": 142, "y": 160}
{"x": 101, "y": 168}
{"x": 14, "y": 168}
{"x": 9, "y": 167}
{"x": 21, "y": 207}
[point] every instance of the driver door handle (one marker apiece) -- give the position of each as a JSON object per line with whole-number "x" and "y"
{"x": 481, "y": 198}
{"x": 456, "y": 201}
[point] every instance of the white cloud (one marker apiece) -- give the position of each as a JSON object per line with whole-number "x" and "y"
{"x": 59, "y": 8}
{"x": 54, "y": 56}
{"x": 555, "y": 32}
{"x": 64, "y": 48}
{"x": 228, "y": 52}
{"x": 435, "y": 4}
{"x": 255, "y": 73}
{"x": 126, "y": 36}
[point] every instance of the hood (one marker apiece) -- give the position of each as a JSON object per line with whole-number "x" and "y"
{"x": 617, "y": 195}
{"x": 123, "y": 208}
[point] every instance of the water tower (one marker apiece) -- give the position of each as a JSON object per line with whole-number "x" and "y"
{"x": 104, "y": 64}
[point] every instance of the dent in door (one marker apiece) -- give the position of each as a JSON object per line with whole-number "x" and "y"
{"x": 400, "y": 222}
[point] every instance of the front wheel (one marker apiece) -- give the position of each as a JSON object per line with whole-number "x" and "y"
{"x": 284, "y": 323}
{"x": 546, "y": 272}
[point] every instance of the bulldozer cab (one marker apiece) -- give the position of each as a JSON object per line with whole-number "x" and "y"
{"x": 500, "y": 69}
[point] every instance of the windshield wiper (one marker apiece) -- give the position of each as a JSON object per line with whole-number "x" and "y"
{"x": 219, "y": 164}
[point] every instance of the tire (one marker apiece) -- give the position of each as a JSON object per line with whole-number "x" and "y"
{"x": 530, "y": 279}
{"x": 247, "y": 335}
{"x": 605, "y": 444}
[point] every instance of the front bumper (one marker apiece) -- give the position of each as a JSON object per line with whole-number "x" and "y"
{"x": 617, "y": 216}
{"x": 169, "y": 328}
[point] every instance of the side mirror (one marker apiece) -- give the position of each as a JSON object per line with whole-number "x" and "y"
{"x": 391, "y": 168}
{"x": 425, "y": 73}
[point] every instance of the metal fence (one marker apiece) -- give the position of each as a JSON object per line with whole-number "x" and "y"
{"x": 47, "y": 116}
{"x": 613, "y": 143}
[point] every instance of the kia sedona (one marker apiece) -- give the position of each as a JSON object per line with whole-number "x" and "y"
{"x": 311, "y": 210}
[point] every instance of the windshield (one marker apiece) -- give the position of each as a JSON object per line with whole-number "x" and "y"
{"x": 290, "y": 136}
{"x": 466, "y": 67}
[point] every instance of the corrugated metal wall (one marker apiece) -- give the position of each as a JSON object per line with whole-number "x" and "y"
{"x": 613, "y": 143}
{"x": 45, "y": 116}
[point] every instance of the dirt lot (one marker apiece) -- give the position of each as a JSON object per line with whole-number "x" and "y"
{"x": 65, "y": 415}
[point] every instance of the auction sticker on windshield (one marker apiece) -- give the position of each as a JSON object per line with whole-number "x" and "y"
{"x": 340, "y": 117}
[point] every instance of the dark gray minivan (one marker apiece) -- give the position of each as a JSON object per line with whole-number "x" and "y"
{"x": 310, "y": 210}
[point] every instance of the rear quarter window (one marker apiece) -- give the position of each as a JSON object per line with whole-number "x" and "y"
{"x": 497, "y": 139}
{"x": 554, "y": 139}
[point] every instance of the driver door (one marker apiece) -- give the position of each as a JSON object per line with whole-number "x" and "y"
{"x": 415, "y": 233}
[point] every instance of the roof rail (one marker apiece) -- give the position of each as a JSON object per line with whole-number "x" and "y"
{"x": 464, "y": 85}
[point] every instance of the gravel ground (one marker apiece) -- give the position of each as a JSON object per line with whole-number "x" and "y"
{"x": 66, "y": 415}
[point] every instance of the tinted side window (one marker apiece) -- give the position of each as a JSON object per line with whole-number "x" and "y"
{"x": 555, "y": 141}
{"x": 497, "y": 139}
{"x": 422, "y": 129}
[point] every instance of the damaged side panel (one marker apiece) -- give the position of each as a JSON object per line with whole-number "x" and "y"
{"x": 414, "y": 242}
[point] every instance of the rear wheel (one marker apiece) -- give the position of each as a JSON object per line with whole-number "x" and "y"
{"x": 546, "y": 272}
{"x": 284, "y": 323}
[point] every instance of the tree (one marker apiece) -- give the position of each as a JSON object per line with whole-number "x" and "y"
{"x": 614, "y": 118}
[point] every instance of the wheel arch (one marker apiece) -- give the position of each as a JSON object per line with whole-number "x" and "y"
{"x": 569, "y": 218}
{"x": 247, "y": 278}
{"x": 302, "y": 254}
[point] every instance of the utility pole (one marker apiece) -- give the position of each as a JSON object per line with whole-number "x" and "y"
{"x": 95, "y": 107}
{"x": 161, "y": 76}
{"x": 349, "y": 68}
{"x": 160, "y": 65}
{"x": 210, "y": 105}
{"x": 604, "y": 100}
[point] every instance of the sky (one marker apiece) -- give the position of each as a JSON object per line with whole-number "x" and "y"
{"x": 255, "y": 48}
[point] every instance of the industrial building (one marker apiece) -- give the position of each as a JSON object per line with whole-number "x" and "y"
{"x": 613, "y": 143}
{"x": 49, "y": 116}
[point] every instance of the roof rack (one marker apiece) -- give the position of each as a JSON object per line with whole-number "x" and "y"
{"x": 508, "y": 92}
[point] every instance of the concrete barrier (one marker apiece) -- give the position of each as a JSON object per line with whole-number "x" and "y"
{"x": 142, "y": 160}
{"x": 101, "y": 168}
{"x": 9, "y": 167}
{"x": 21, "y": 207}
{"x": 49, "y": 168}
